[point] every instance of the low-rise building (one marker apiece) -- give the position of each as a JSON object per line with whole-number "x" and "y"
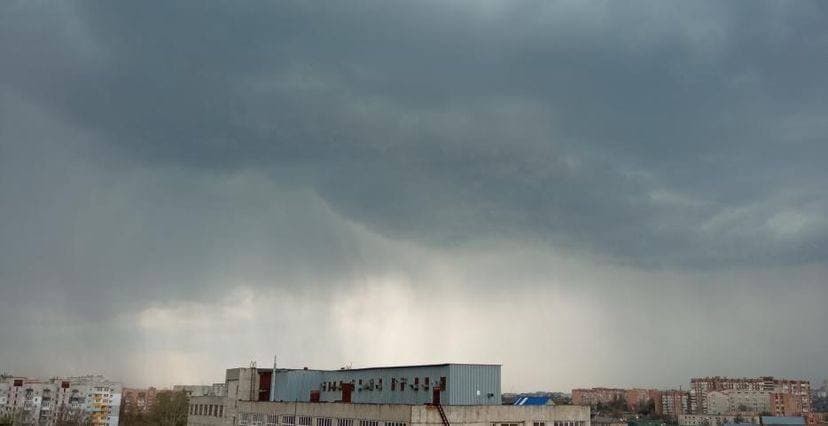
{"x": 345, "y": 398}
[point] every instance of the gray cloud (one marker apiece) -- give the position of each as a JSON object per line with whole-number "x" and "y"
{"x": 177, "y": 151}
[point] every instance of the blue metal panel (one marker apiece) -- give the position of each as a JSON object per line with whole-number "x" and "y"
{"x": 374, "y": 385}
{"x": 473, "y": 384}
{"x": 295, "y": 385}
{"x": 532, "y": 400}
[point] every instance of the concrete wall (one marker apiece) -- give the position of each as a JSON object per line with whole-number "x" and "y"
{"x": 401, "y": 415}
{"x": 485, "y": 415}
{"x": 200, "y": 414}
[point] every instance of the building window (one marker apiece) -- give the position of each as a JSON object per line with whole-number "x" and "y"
{"x": 272, "y": 420}
{"x": 324, "y": 422}
{"x": 538, "y": 423}
{"x": 345, "y": 422}
{"x": 288, "y": 420}
{"x": 304, "y": 421}
{"x": 395, "y": 424}
{"x": 368, "y": 423}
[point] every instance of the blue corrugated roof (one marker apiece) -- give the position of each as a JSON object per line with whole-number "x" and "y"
{"x": 532, "y": 400}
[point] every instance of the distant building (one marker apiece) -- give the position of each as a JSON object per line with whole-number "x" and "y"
{"x": 194, "y": 390}
{"x": 674, "y": 403}
{"x": 714, "y": 419}
{"x": 139, "y": 400}
{"x": 594, "y": 396}
{"x": 219, "y": 389}
{"x": 816, "y": 419}
{"x": 634, "y": 398}
{"x": 781, "y": 397}
{"x": 734, "y": 401}
{"x": 91, "y": 399}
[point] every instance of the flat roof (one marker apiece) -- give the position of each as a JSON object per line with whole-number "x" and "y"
{"x": 388, "y": 367}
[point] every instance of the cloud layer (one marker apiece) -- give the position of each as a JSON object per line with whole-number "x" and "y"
{"x": 570, "y": 166}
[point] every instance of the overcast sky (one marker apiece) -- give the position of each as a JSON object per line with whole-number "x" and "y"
{"x": 590, "y": 193}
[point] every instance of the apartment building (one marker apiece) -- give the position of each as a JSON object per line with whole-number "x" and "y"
{"x": 781, "y": 397}
{"x": 674, "y": 403}
{"x": 93, "y": 399}
{"x": 594, "y": 396}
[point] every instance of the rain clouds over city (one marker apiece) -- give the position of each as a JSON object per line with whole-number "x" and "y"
{"x": 617, "y": 193}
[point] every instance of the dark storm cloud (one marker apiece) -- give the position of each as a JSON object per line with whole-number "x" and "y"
{"x": 575, "y": 163}
{"x": 625, "y": 130}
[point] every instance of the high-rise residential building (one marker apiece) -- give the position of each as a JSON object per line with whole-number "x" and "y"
{"x": 674, "y": 403}
{"x": 712, "y": 395}
{"x": 93, "y": 399}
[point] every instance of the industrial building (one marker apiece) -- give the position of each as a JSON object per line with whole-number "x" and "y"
{"x": 448, "y": 384}
{"x": 435, "y": 394}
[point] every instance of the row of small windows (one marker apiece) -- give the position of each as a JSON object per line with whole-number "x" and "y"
{"x": 570, "y": 423}
{"x": 210, "y": 410}
{"x": 254, "y": 419}
{"x": 396, "y": 384}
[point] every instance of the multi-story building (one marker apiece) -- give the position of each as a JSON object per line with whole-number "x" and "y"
{"x": 459, "y": 394}
{"x": 594, "y": 396}
{"x": 194, "y": 390}
{"x": 634, "y": 398}
{"x": 89, "y": 398}
{"x": 759, "y": 394}
{"x": 674, "y": 403}
{"x": 738, "y": 401}
{"x": 139, "y": 400}
{"x": 715, "y": 419}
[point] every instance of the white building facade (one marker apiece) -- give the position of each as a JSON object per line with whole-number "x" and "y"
{"x": 46, "y": 402}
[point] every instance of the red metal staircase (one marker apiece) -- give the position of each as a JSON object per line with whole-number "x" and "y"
{"x": 442, "y": 414}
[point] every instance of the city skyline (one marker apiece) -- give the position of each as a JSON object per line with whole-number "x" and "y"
{"x": 588, "y": 193}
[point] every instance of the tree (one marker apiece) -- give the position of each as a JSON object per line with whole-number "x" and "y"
{"x": 6, "y": 420}
{"x": 170, "y": 409}
{"x": 648, "y": 408}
